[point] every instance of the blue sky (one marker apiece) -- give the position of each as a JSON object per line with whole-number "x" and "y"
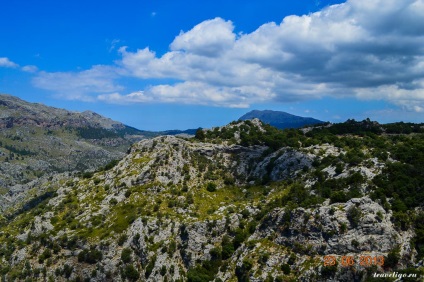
{"x": 159, "y": 65}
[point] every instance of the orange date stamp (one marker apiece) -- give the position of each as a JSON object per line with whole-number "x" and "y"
{"x": 365, "y": 261}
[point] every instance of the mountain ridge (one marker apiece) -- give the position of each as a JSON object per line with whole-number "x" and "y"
{"x": 279, "y": 119}
{"x": 37, "y": 140}
{"x": 17, "y": 110}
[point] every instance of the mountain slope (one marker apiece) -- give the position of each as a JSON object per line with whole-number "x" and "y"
{"x": 238, "y": 203}
{"x": 17, "y": 112}
{"x": 279, "y": 119}
{"x": 37, "y": 140}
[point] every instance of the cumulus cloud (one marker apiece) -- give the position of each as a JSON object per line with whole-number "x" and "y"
{"x": 210, "y": 38}
{"x": 361, "y": 48}
{"x": 192, "y": 93}
{"x": 79, "y": 85}
{"x": 6, "y": 63}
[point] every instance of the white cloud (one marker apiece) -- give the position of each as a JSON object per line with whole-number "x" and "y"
{"x": 361, "y": 48}
{"x": 79, "y": 85}
{"x": 6, "y": 63}
{"x": 113, "y": 44}
{"x": 210, "y": 38}
{"x": 30, "y": 68}
{"x": 189, "y": 93}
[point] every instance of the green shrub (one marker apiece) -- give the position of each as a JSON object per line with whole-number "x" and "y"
{"x": 90, "y": 256}
{"x": 229, "y": 180}
{"x": 172, "y": 248}
{"x": 343, "y": 227}
{"x": 292, "y": 259}
{"x": 211, "y": 187}
{"x": 392, "y": 258}
{"x": 163, "y": 270}
{"x": 328, "y": 271}
{"x": 263, "y": 258}
{"x": 111, "y": 164}
{"x": 200, "y": 135}
{"x": 354, "y": 215}
{"x": 240, "y": 236}
{"x": 131, "y": 273}
{"x": 199, "y": 274}
{"x": 216, "y": 254}
{"x": 150, "y": 266}
{"x": 126, "y": 255}
{"x": 127, "y": 193}
{"x": 338, "y": 197}
{"x": 286, "y": 269}
{"x": 45, "y": 255}
{"x": 227, "y": 247}
{"x": 67, "y": 270}
{"x": 243, "y": 271}
{"x": 122, "y": 239}
{"x": 87, "y": 174}
{"x": 339, "y": 168}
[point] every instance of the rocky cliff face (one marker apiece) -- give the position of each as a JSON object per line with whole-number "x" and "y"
{"x": 206, "y": 209}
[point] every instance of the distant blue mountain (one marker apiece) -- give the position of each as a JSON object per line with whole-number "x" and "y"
{"x": 279, "y": 119}
{"x": 176, "y": 132}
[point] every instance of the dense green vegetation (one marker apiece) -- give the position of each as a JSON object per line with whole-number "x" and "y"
{"x": 250, "y": 135}
{"x": 95, "y": 133}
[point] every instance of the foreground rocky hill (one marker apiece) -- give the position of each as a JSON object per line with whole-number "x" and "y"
{"x": 244, "y": 202}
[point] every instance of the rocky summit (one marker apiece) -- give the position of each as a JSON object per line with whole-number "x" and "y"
{"x": 243, "y": 202}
